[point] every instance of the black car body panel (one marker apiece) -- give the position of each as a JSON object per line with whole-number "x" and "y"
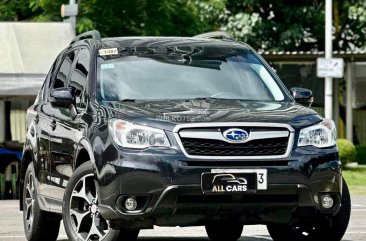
{"x": 165, "y": 180}
{"x": 193, "y": 111}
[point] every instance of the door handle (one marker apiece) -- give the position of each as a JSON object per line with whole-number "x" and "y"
{"x": 53, "y": 124}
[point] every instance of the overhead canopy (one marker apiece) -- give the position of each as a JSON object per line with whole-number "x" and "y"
{"x": 27, "y": 53}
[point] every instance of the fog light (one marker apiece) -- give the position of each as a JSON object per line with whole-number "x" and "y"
{"x": 130, "y": 204}
{"x": 327, "y": 201}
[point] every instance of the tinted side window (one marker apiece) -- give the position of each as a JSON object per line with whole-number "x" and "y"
{"x": 63, "y": 72}
{"x": 79, "y": 76}
{"x": 44, "y": 90}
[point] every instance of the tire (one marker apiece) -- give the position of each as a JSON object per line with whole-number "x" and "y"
{"x": 335, "y": 232}
{"x": 224, "y": 231}
{"x": 81, "y": 217}
{"x": 39, "y": 225}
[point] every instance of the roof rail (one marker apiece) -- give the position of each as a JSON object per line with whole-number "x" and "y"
{"x": 93, "y": 34}
{"x": 215, "y": 34}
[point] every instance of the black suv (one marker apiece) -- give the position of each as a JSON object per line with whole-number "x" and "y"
{"x": 131, "y": 132}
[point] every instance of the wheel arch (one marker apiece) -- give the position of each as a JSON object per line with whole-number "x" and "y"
{"x": 84, "y": 154}
{"x": 26, "y": 159}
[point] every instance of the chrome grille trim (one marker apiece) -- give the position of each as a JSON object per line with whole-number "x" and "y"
{"x": 217, "y": 135}
{"x": 209, "y": 135}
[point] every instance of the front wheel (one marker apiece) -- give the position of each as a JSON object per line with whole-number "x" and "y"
{"x": 221, "y": 231}
{"x": 82, "y": 219}
{"x": 334, "y": 232}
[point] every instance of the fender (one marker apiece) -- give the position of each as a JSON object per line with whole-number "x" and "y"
{"x": 83, "y": 144}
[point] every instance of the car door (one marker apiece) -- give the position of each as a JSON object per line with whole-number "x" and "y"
{"x": 57, "y": 115}
{"x": 38, "y": 124}
{"x": 65, "y": 134}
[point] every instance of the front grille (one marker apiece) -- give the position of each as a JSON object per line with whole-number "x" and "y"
{"x": 261, "y": 147}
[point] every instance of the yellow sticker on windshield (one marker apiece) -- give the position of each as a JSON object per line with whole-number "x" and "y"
{"x": 105, "y": 52}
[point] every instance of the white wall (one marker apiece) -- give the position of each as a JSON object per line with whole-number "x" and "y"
{"x": 17, "y": 120}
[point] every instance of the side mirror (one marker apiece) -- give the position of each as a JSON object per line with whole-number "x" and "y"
{"x": 62, "y": 97}
{"x": 302, "y": 96}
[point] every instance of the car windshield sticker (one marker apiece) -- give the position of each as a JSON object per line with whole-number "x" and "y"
{"x": 105, "y": 52}
{"x": 107, "y": 66}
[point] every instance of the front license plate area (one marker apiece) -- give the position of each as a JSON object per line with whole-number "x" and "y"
{"x": 229, "y": 182}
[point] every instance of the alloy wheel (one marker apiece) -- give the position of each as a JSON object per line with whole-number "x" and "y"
{"x": 29, "y": 201}
{"x": 85, "y": 217}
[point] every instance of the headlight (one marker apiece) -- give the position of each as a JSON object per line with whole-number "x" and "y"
{"x": 320, "y": 135}
{"x": 130, "y": 135}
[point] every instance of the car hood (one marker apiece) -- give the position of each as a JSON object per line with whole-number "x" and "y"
{"x": 167, "y": 114}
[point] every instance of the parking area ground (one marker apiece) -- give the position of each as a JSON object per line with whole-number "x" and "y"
{"x": 11, "y": 226}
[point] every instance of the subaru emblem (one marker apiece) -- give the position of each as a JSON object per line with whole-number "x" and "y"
{"x": 235, "y": 135}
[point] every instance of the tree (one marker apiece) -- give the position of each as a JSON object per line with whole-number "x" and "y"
{"x": 280, "y": 25}
{"x": 115, "y": 17}
{"x": 15, "y": 10}
{"x": 295, "y": 25}
{"x": 146, "y": 17}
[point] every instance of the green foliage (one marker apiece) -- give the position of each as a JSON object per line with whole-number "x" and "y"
{"x": 280, "y": 25}
{"x": 361, "y": 154}
{"x": 15, "y": 10}
{"x": 144, "y": 17}
{"x": 347, "y": 151}
{"x": 212, "y": 12}
{"x": 140, "y": 17}
{"x": 351, "y": 32}
{"x": 242, "y": 26}
{"x": 50, "y": 10}
{"x": 355, "y": 177}
{"x": 120, "y": 18}
{"x": 295, "y": 25}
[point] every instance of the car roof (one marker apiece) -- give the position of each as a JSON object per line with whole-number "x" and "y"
{"x": 153, "y": 42}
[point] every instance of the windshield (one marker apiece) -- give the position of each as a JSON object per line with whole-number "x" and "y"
{"x": 222, "y": 73}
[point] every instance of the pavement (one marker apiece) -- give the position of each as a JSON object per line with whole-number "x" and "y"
{"x": 11, "y": 227}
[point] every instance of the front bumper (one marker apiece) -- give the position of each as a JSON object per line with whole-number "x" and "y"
{"x": 170, "y": 185}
